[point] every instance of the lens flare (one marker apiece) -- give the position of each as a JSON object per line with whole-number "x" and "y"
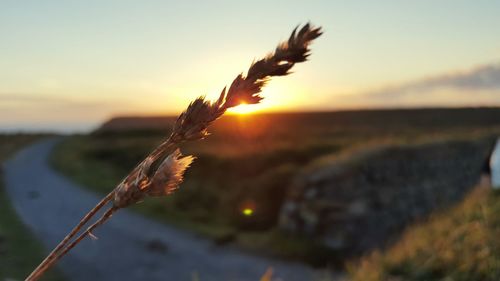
{"x": 247, "y": 212}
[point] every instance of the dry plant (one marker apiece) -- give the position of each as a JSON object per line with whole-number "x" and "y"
{"x": 162, "y": 171}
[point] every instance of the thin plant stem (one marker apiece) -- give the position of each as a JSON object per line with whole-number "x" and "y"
{"x": 72, "y": 234}
{"x": 41, "y": 269}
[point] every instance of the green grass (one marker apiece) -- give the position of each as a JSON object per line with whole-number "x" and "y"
{"x": 460, "y": 244}
{"x": 279, "y": 244}
{"x": 212, "y": 194}
{"x": 215, "y": 186}
{"x": 20, "y": 252}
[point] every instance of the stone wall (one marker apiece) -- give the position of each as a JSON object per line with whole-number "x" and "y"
{"x": 362, "y": 202}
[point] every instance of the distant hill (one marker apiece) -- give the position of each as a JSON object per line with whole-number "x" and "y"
{"x": 126, "y": 123}
{"x": 383, "y": 119}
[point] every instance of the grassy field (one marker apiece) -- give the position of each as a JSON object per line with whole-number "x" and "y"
{"x": 249, "y": 162}
{"x": 460, "y": 244}
{"x": 213, "y": 195}
{"x": 19, "y": 250}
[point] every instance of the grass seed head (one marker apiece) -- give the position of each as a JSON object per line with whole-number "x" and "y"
{"x": 192, "y": 124}
{"x": 164, "y": 180}
{"x": 169, "y": 175}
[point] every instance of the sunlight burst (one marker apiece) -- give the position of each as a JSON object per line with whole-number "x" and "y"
{"x": 245, "y": 108}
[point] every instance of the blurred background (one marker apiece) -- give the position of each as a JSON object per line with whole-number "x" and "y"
{"x": 372, "y": 161}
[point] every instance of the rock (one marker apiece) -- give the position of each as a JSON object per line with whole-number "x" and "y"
{"x": 359, "y": 205}
{"x": 358, "y": 208}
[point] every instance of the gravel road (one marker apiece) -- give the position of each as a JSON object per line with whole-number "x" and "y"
{"x": 130, "y": 247}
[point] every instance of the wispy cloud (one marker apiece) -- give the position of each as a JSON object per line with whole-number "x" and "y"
{"x": 478, "y": 86}
{"x": 484, "y": 78}
{"x": 45, "y": 111}
{"x": 45, "y": 99}
{"x": 24, "y": 97}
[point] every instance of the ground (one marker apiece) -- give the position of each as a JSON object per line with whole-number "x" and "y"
{"x": 20, "y": 252}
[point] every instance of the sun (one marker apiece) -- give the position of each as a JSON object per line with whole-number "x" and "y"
{"x": 245, "y": 109}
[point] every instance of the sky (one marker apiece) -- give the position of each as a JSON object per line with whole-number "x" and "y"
{"x": 70, "y": 65}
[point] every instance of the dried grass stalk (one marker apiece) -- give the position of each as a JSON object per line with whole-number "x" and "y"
{"x": 161, "y": 172}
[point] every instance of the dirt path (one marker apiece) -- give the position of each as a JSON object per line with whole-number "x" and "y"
{"x": 130, "y": 247}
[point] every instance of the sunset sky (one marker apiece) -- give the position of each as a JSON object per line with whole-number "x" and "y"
{"x": 69, "y": 65}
